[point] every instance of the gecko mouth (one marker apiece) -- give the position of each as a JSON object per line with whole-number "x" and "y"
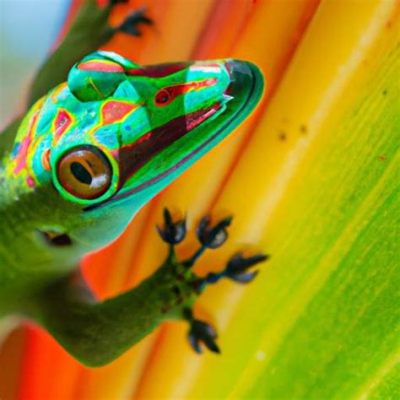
{"x": 245, "y": 89}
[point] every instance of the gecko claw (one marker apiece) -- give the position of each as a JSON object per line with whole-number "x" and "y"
{"x": 237, "y": 267}
{"x": 202, "y": 333}
{"x": 132, "y": 21}
{"x": 213, "y": 237}
{"x": 172, "y": 232}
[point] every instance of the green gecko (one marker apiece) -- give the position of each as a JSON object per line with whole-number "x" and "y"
{"x": 97, "y": 144}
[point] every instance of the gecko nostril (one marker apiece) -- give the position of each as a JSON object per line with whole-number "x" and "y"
{"x": 229, "y": 90}
{"x": 163, "y": 97}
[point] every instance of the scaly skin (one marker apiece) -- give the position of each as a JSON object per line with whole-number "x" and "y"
{"x": 87, "y": 156}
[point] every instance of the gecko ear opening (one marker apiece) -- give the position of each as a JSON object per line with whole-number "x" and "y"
{"x": 98, "y": 75}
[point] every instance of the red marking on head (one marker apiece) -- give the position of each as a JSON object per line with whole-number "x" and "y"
{"x": 166, "y": 95}
{"x": 197, "y": 118}
{"x": 145, "y": 137}
{"x": 114, "y": 111}
{"x": 46, "y": 160}
{"x": 157, "y": 71}
{"x": 134, "y": 155}
{"x": 24, "y": 146}
{"x": 61, "y": 123}
{"x": 30, "y": 182}
{"x": 100, "y": 66}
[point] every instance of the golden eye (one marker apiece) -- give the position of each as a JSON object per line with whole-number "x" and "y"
{"x": 84, "y": 172}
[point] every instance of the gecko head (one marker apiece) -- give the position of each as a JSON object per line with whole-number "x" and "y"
{"x": 116, "y": 133}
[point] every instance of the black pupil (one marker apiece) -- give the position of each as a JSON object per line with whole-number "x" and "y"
{"x": 81, "y": 173}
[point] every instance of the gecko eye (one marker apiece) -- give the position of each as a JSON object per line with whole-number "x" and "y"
{"x": 84, "y": 172}
{"x": 163, "y": 97}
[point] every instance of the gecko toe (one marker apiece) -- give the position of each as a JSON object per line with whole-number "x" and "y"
{"x": 215, "y": 236}
{"x": 173, "y": 232}
{"x": 132, "y": 22}
{"x": 202, "y": 333}
{"x": 238, "y": 267}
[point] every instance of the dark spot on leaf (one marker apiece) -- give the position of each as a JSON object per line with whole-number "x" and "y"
{"x": 282, "y": 136}
{"x": 303, "y": 129}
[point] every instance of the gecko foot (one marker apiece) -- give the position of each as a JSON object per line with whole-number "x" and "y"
{"x": 239, "y": 268}
{"x": 131, "y": 23}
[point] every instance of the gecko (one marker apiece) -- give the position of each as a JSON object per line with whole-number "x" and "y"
{"x": 101, "y": 136}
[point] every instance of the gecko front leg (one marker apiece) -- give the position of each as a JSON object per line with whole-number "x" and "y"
{"x": 237, "y": 269}
{"x": 98, "y": 332}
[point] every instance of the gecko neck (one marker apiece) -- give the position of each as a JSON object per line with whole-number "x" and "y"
{"x": 23, "y": 215}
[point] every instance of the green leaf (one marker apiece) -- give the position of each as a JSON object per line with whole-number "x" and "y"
{"x": 332, "y": 325}
{"x": 322, "y": 320}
